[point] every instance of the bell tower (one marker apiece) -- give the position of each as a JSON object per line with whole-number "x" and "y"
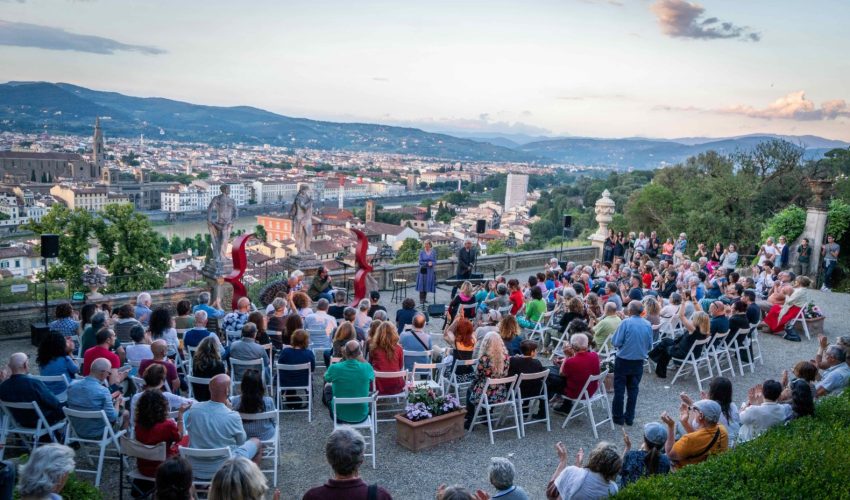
{"x": 98, "y": 150}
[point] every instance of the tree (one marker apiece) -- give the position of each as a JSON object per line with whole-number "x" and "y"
{"x": 496, "y": 247}
{"x": 131, "y": 249}
{"x": 189, "y": 244}
{"x": 260, "y": 232}
{"x": 408, "y": 252}
{"x": 176, "y": 245}
{"x": 790, "y": 223}
{"x": 75, "y": 228}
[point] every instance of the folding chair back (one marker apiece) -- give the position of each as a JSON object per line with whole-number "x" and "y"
{"x": 412, "y": 357}
{"x": 238, "y": 367}
{"x": 108, "y": 437}
{"x": 233, "y": 336}
{"x": 584, "y": 403}
{"x": 692, "y": 361}
{"x": 542, "y": 396}
{"x": 452, "y": 382}
{"x": 62, "y": 396}
{"x": 130, "y": 448}
{"x": 191, "y": 380}
{"x": 484, "y": 409}
{"x": 10, "y": 425}
{"x": 202, "y": 460}
{"x": 368, "y": 424}
{"x": 319, "y": 338}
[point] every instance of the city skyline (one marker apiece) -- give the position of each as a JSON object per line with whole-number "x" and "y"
{"x": 663, "y": 68}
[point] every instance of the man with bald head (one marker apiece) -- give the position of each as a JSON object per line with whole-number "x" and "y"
{"x": 233, "y": 322}
{"x": 90, "y": 394}
{"x": 212, "y": 424}
{"x": 159, "y": 348}
{"x": 21, "y": 388}
{"x": 349, "y": 378}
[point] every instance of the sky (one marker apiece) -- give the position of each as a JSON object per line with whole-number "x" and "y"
{"x": 596, "y": 68}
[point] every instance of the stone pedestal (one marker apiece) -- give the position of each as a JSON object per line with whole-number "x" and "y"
{"x": 604, "y": 215}
{"x": 814, "y": 231}
{"x": 214, "y": 276}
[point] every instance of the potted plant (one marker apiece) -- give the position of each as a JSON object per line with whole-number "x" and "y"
{"x": 814, "y": 320}
{"x": 94, "y": 277}
{"x": 428, "y": 419}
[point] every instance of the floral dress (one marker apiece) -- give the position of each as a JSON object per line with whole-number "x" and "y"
{"x": 495, "y": 394}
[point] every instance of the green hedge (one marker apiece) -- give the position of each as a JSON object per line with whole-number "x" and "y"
{"x": 808, "y": 458}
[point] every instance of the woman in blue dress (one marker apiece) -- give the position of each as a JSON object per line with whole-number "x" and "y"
{"x": 426, "y": 280}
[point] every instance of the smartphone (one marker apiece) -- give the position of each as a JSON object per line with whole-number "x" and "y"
{"x": 125, "y": 368}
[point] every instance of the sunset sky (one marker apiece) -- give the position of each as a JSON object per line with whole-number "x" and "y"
{"x": 601, "y": 68}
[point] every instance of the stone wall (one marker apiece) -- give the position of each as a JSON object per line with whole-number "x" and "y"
{"x": 15, "y": 319}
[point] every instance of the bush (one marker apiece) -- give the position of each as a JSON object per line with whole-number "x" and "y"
{"x": 808, "y": 458}
{"x": 790, "y": 222}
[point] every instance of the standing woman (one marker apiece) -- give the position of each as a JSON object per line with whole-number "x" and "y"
{"x": 426, "y": 280}
{"x": 619, "y": 246}
{"x": 608, "y": 247}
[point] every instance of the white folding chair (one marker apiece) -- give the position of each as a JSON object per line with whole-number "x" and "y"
{"x": 233, "y": 336}
{"x": 543, "y": 323}
{"x": 453, "y": 382}
{"x": 107, "y": 438}
{"x": 692, "y": 362}
{"x": 755, "y": 345}
{"x": 190, "y": 354}
{"x": 368, "y": 424}
{"x": 197, "y": 456}
{"x": 130, "y": 448}
{"x": 388, "y": 403}
{"x": 738, "y": 348}
{"x": 412, "y": 357}
{"x": 542, "y": 397}
{"x": 78, "y": 344}
{"x": 508, "y": 405}
{"x": 308, "y": 389}
{"x": 719, "y": 350}
{"x": 62, "y": 396}
{"x": 430, "y": 374}
{"x": 560, "y": 341}
{"x": 196, "y": 380}
{"x": 12, "y": 426}
{"x": 801, "y": 319}
{"x": 238, "y": 367}
{"x": 271, "y": 447}
{"x": 319, "y": 339}
{"x": 505, "y": 310}
{"x": 584, "y": 403}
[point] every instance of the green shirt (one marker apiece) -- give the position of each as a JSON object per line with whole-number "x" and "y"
{"x": 350, "y": 379}
{"x": 603, "y": 329}
{"x": 535, "y": 309}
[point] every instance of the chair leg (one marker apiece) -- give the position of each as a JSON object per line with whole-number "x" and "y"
{"x": 100, "y": 464}
{"x": 519, "y": 430}
{"x": 589, "y": 407}
{"x": 489, "y": 421}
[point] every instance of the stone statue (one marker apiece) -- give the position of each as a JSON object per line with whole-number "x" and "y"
{"x": 220, "y": 215}
{"x": 301, "y": 214}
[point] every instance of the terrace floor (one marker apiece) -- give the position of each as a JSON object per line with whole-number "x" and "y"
{"x": 410, "y": 475}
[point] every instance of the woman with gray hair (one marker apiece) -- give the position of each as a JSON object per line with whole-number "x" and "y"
{"x": 239, "y": 478}
{"x": 46, "y": 472}
{"x": 501, "y": 473}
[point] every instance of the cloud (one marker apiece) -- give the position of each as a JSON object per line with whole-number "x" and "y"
{"x": 46, "y": 37}
{"x": 616, "y": 3}
{"x": 794, "y": 106}
{"x": 381, "y": 79}
{"x": 485, "y": 123}
{"x": 606, "y": 97}
{"x": 683, "y": 19}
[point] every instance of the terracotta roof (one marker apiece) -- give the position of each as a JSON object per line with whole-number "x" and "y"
{"x": 324, "y": 247}
{"x": 382, "y": 228}
{"x": 24, "y": 155}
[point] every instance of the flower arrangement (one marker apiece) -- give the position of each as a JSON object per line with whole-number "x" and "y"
{"x": 812, "y": 311}
{"x": 94, "y": 276}
{"x": 423, "y": 403}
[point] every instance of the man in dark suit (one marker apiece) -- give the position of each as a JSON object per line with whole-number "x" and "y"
{"x": 465, "y": 263}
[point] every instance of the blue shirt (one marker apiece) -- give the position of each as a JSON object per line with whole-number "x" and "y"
{"x": 212, "y": 312}
{"x": 194, "y": 336}
{"x": 143, "y": 315}
{"x": 25, "y": 389}
{"x": 89, "y": 394}
{"x": 61, "y": 365}
{"x": 633, "y": 338}
{"x": 292, "y": 356}
{"x": 408, "y": 342}
{"x": 719, "y": 324}
{"x": 65, "y": 326}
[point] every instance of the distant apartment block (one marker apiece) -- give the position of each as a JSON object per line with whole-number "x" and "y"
{"x": 90, "y": 198}
{"x": 197, "y": 196}
{"x": 278, "y": 227}
{"x": 516, "y": 191}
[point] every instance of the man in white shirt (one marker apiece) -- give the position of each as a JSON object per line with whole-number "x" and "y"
{"x": 141, "y": 347}
{"x": 837, "y": 376}
{"x": 321, "y": 318}
{"x": 761, "y": 411}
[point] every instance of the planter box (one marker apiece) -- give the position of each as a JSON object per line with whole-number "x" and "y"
{"x": 428, "y": 433}
{"x": 815, "y": 326}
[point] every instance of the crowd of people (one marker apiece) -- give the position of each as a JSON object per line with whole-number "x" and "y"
{"x": 134, "y": 364}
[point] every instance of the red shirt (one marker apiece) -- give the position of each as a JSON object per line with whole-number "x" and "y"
{"x": 516, "y": 299}
{"x": 577, "y": 370}
{"x": 170, "y": 369}
{"x": 99, "y": 352}
{"x": 165, "y": 431}
{"x": 381, "y": 363}
{"x": 647, "y": 280}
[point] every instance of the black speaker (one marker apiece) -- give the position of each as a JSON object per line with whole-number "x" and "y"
{"x": 37, "y": 333}
{"x": 480, "y": 226}
{"x": 568, "y": 221}
{"x": 49, "y": 246}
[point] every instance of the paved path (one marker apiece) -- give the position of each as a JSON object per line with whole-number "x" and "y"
{"x": 415, "y": 476}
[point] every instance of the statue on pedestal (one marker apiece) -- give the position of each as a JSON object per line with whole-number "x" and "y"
{"x": 301, "y": 214}
{"x": 220, "y": 215}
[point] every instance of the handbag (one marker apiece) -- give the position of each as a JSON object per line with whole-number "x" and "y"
{"x": 423, "y": 270}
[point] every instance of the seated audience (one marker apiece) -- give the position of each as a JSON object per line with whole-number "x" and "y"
{"x": 89, "y": 338}
{"x": 837, "y": 374}
{"x": 126, "y": 320}
{"x": 199, "y": 332}
{"x": 54, "y": 358}
{"x": 509, "y": 332}
{"x": 534, "y": 309}
{"x": 374, "y": 303}
{"x": 21, "y": 388}
{"x": 322, "y": 286}
{"x": 501, "y": 474}
{"x": 761, "y": 412}
{"x": 516, "y": 296}
{"x": 247, "y": 349}
{"x": 465, "y": 297}
{"x": 606, "y": 327}
{"x": 64, "y": 322}
{"x": 344, "y": 452}
{"x": 339, "y": 305}
{"x": 578, "y": 366}
{"x": 493, "y": 363}
{"x": 696, "y": 328}
{"x": 162, "y": 327}
{"x": 277, "y": 318}
{"x": 158, "y": 352}
{"x": 300, "y": 304}
{"x": 596, "y": 481}
{"x": 234, "y": 321}
{"x": 706, "y": 437}
{"x": 527, "y": 362}
{"x": 154, "y": 380}
{"x": 238, "y": 478}
{"x": 459, "y": 336}
{"x": 321, "y": 320}
{"x": 90, "y": 394}
{"x": 143, "y": 311}
{"x": 261, "y": 322}
{"x": 296, "y": 353}
{"x": 140, "y": 348}
{"x": 363, "y": 318}
{"x": 292, "y": 323}
{"x": 802, "y": 403}
{"x": 184, "y": 319}
{"x": 212, "y": 424}
{"x": 720, "y": 391}
{"x": 415, "y": 339}
{"x": 386, "y": 355}
{"x": 349, "y": 378}
{"x": 45, "y": 473}
{"x": 105, "y": 340}
{"x": 253, "y": 399}
{"x": 404, "y": 316}
{"x": 174, "y": 480}
{"x": 206, "y": 363}
{"x": 212, "y": 310}
{"x": 153, "y": 426}
{"x": 649, "y": 459}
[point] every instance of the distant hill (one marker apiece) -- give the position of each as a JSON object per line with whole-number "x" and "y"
{"x": 65, "y": 108}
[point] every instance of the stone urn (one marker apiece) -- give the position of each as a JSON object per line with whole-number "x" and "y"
{"x": 94, "y": 294}
{"x": 820, "y": 188}
{"x": 94, "y": 278}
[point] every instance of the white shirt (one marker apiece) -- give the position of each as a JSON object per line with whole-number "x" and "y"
{"x": 767, "y": 251}
{"x": 138, "y": 352}
{"x": 757, "y": 419}
{"x": 320, "y": 319}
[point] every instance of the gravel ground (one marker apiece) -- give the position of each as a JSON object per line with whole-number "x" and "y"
{"x": 416, "y": 476}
